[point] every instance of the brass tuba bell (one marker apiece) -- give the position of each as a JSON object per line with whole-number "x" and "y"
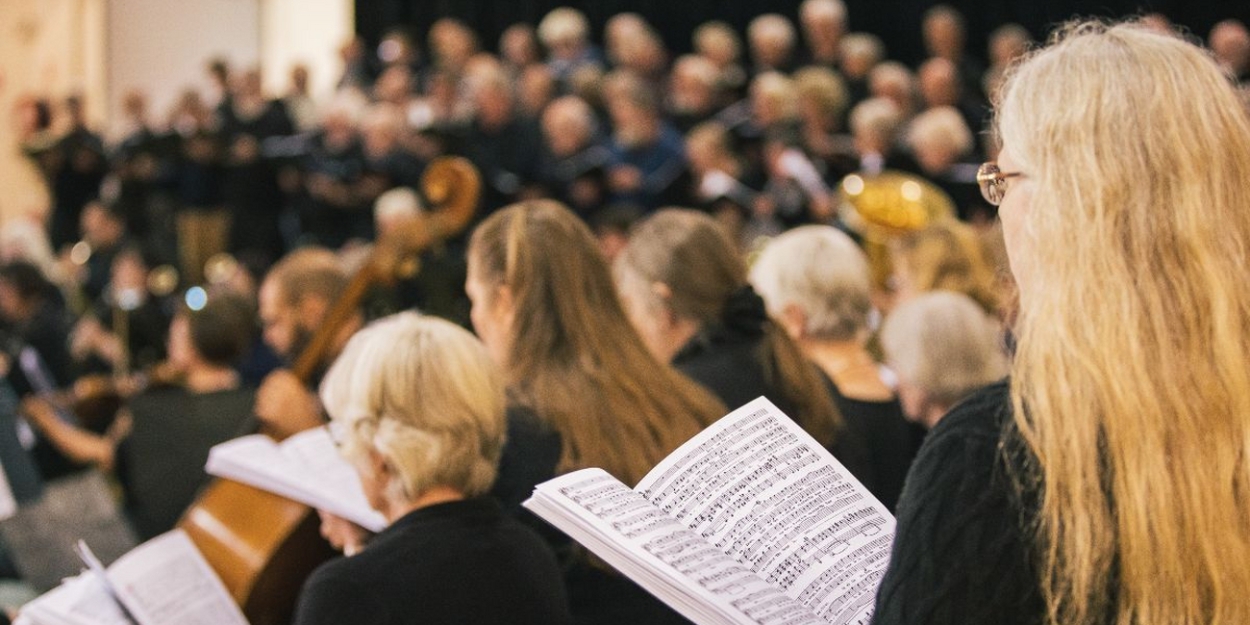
{"x": 883, "y": 206}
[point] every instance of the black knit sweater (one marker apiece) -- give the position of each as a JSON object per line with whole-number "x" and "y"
{"x": 963, "y": 552}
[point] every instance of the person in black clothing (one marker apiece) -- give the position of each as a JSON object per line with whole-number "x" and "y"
{"x": 816, "y": 282}
{"x": 1107, "y": 483}
{"x": 124, "y": 330}
{"x": 417, "y": 407}
{"x": 161, "y": 461}
{"x": 575, "y": 163}
{"x": 250, "y": 186}
{"x": 504, "y": 146}
{"x": 75, "y": 165}
{"x": 546, "y": 308}
{"x": 962, "y": 550}
{"x": 332, "y": 171}
{"x": 686, "y": 291}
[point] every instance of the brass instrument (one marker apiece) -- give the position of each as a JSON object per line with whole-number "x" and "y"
{"x": 882, "y": 207}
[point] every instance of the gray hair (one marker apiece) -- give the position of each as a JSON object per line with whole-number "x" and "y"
{"x": 945, "y": 344}
{"x": 823, "y": 272}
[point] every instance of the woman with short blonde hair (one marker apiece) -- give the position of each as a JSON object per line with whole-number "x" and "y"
{"x": 1109, "y": 484}
{"x": 417, "y": 408}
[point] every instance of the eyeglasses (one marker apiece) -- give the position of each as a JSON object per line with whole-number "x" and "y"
{"x": 993, "y": 182}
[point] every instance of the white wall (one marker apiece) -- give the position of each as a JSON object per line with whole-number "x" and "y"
{"x": 163, "y": 46}
{"x": 48, "y": 49}
{"x": 304, "y": 31}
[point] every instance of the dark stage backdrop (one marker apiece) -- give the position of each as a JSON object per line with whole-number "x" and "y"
{"x": 896, "y": 22}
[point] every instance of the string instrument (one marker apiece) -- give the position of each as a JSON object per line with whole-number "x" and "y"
{"x": 264, "y": 546}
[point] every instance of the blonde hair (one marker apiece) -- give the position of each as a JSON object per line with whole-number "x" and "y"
{"x": 943, "y": 343}
{"x": 424, "y": 394}
{"x": 877, "y": 119}
{"x": 823, "y": 87}
{"x": 771, "y": 27}
{"x": 691, "y": 254}
{"x": 947, "y": 256}
{"x": 823, "y": 272}
{"x": 865, "y": 45}
{"x": 574, "y": 357}
{"x": 563, "y": 24}
{"x": 778, "y": 92}
{"x": 941, "y": 127}
{"x": 712, "y": 35}
{"x": 1131, "y": 385}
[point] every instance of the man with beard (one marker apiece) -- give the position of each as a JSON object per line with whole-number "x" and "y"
{"x": 294, "y": 302}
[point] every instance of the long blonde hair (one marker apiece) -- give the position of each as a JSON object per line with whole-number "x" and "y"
{"x": 574, "y": 357}
{"x": 1131, "y": 382}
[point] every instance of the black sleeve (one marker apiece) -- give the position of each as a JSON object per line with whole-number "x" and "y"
{"x": 530, "y": 455}
{"x": 961, "y": 554}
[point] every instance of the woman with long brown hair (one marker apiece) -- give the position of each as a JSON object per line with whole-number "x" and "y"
{"x": 546, "y": 308}
{"x": 686, "y": 290}
{"x": 1109, "y": 482}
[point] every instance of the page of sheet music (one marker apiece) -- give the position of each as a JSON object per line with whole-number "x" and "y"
{"x": 756, "y": 485}
{"x": 306, "y": 467}
{"x": 664, "y": 557}
{"x": 81, "y": 600}
{"x": 166, "y": 581}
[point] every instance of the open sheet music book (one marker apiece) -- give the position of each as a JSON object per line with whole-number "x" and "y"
{"x": 164, "y": 581}
{"x": 751, "y": 521}
{"x": 305, "y": 467}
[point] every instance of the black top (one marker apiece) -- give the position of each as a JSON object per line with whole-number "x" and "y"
{"x": 161, "y": 462}
{"x": 727, "y": 362}
{"x": 458, "y": 562}
{"x": 596, "y": 596}
{"x": 891, "y": 440}
{"x": 962, "y": 553}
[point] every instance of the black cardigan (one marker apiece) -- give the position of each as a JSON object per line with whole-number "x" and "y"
{"x": 963, "y": 552}
{"x": 458, "y": 562}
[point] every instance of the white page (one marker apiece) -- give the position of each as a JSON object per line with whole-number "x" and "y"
{"x": 8, "y": 504}
{"x": 166, "y": 581}
{"x": 757, "y": 486}
{"x": 81, "y": 600}
{"x": 666, "y": 559}
{"x": 305, "y": 467}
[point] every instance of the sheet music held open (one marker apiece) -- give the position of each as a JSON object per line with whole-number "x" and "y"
{"x": 164, "y": 581}
{"x": 751, "y": 521}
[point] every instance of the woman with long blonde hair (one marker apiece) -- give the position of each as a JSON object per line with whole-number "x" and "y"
{"x": 1110, "y": 483}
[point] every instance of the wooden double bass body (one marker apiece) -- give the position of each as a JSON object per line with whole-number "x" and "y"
{"x": 263, "y": 546}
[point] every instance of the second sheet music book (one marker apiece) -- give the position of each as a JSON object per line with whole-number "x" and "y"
{"x": 750, "y": 522}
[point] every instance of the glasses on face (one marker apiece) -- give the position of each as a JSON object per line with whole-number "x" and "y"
{"x": 993, "y": 182}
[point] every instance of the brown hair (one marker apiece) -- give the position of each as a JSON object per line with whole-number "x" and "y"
{"x": 690, "y": 253}
{"x": 222, "y": 331}
{"x": 574, "y": 357}
{"x": 948, "y": 256}
{"x": 308, "y": 271}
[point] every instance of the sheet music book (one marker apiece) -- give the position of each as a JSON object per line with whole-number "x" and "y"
{"x": 750, "y": 522}
{"x": 306, "y": 467}
{"x": 164, "y": 581}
